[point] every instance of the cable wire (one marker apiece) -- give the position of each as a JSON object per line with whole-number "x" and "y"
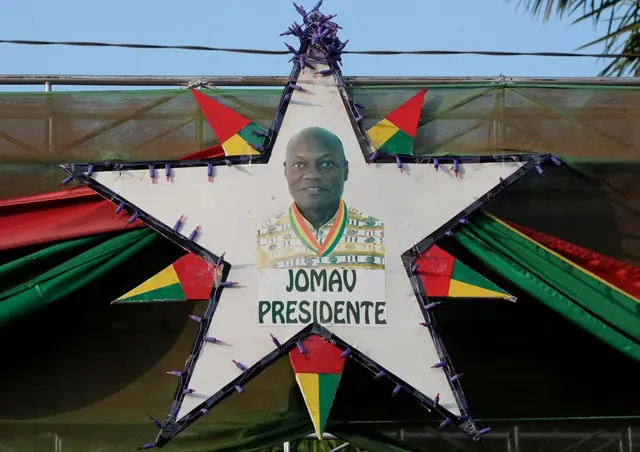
{"x": 351, "y": 52}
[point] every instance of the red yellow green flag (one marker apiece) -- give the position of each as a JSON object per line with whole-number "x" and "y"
{"x": 317, "y": 365}
{"x": 444, "y": 276}
{"x": 397, "y": 131}
{"x": 236, "y": 134}
{"x": 190, "y": 278}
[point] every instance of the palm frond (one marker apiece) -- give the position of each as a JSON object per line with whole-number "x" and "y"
{"x": 625, "y": 66}
{"x": 623, "y": 27}
{"x": 547, "y": 8}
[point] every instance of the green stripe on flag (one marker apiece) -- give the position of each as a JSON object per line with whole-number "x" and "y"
{"x": 464, "y": 274}
{"x": 399, "y": 143}
{"x": 328, "y": 386}
{"x": 247, "y": 134}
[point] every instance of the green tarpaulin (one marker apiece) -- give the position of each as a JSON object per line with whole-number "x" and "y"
{"x": 577, "y": 123}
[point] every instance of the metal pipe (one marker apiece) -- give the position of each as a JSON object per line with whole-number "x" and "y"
{"x": 521, "y": 435}
{"x": 199, "y": 129}
{"x": 48, "y": 126}
{"x": 513, "y": 436}
{"x": 148, "y": 80}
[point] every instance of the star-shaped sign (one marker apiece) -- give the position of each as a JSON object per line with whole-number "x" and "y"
{"x": 325, "y": 245}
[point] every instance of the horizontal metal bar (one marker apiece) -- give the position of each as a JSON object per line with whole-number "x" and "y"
{"x": 249, "y": 81}
{"x": 524, "y": 435}
{"x": 504, "y": 434}
{"x": 408, "y": 434}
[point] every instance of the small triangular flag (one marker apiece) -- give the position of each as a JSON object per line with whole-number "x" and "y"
{"x": 224, "y": 121}
{"x": 395, "y": 134}
{"x": 236, "y": 134}
{"x": 318, "y": 367}
{"x": 190, "y": 278}
{"x": 444, "y": 276}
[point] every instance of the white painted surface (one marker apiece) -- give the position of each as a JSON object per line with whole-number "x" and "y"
{"x": 411, "y": 205}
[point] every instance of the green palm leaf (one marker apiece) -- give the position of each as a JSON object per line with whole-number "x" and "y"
{"x": 623, "y": 27}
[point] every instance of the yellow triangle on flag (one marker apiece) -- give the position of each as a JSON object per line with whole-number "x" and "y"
{"x": 165, "y": 278}
{"x": 459, "y": 289}
{"x": 381, "y": 132}
{"x": 236, "y": 145}
{"x": 310, "y": 387}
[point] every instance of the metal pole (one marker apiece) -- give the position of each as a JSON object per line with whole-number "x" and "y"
{"x": 222, "y": 81}
{"x": 199, "y": 129}
{"x": 48, "y": 127}
{"x": 513, "y": 440}
{"x": 286, "y": 447}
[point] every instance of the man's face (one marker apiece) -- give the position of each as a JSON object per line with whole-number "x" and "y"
{"x": 315, "y": 174}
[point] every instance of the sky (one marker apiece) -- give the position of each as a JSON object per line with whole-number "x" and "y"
{"x": 369, "y": 25}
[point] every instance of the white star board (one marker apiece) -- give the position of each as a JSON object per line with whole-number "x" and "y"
{"x": 412, "y": 205}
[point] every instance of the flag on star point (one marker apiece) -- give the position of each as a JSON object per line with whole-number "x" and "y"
{"x": 396, "y": 133}
{"x": 442, "y": 275}
{"x": 189, "y": 278}
{"x": 236, "y": 134}
{"x": 318, "y": 369}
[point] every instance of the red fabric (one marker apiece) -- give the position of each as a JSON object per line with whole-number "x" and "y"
{"x": 66, "y": 214}
{"x": 624, "y": 276}
{"x": 320, "y": 357}
{"x": 434, "y": 270}
{"x": 55, "y": 216}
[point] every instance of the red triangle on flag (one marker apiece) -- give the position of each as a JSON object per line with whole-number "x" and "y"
{"x": 196, "y": 276}
{"x": 224, "y": 121}
{"x": 407, "y": 116}
{"x": 434, "y": 270}
{"x": 320, "y": 357}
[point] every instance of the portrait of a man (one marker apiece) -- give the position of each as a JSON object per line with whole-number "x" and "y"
{"x": 319, "y": 230}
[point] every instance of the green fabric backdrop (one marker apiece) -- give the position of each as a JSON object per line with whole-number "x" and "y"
{"x": 52, "y": 274}
{"x": 64, "y": 277}
{"x": 595, "y": 307}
